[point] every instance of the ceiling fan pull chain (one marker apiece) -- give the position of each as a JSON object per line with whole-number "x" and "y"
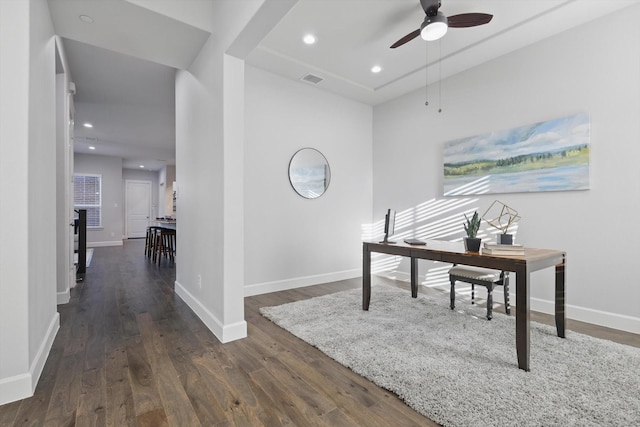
{"x": 440, "y": 77}
{"x": 426, "y": 74}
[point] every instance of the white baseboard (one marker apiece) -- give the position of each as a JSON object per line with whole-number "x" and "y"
{"x": 102, "y": 244}
{"x": 44, "y": 349}
{"x": 607, "y": 319}
{"x": 63, "y": 297}
{"x": 15, "y": 388}
{"x": 224, "y": 333}
{"x": 23, "y": 385}
{"x": 299, "y": 282}
{"x": 620, "y": 322}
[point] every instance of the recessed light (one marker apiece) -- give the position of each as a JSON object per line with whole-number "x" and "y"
{"x": 86, "y": 18}
{"x": 87, "y": 125}
{"x": 91, "y": 147}
{"x": 376, "y": 69}
{"x": 142, "y": 166}
{"x": 309, "y": 39}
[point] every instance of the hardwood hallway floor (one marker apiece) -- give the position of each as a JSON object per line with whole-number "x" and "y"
{"x": 131, "y": 353}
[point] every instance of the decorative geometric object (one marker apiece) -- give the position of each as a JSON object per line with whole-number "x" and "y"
{"x": 500, "y": 216}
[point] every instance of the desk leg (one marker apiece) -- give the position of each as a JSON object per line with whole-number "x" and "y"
{"x": 414, "y": 277}
{"x": 366, "y": 276}
{"x": 560, "y": 314}
{"x": 522, "y": 318}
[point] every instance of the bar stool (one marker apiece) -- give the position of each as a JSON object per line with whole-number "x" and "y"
{"x": 165, "y": 244}
{"x": 150, "y": 240}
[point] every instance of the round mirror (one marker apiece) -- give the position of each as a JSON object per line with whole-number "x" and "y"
{"x": 309, "y": 173}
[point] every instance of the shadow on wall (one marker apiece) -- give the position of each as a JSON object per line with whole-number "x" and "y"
{"x": 435, "y": 219}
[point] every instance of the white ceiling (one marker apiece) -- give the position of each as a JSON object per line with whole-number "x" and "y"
{"x": 129, "y": 101}
{"x": 354, "y": 35}
{"x": 124, "y": 62}
{"x": 123, "y": 65}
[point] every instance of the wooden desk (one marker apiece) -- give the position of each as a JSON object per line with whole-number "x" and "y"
{"x": 454, "y": 253}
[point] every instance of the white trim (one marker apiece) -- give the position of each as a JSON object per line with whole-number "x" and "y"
{"x": 299, "y": 282}
{"x": 101, "y": 244}
{"x": 23, "y": 385}
{"x": 224, "y": 333}
{"x": 43, "y": 351}
{"x": 607, "y": 319}
{"x": 63, "y": 297}
{"x": 15, "y": 388}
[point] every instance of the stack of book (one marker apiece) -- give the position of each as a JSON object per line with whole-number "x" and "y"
{"x": 498, "y": 249}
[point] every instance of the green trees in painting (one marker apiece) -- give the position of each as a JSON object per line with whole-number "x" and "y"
{"x": 570, "y": 156}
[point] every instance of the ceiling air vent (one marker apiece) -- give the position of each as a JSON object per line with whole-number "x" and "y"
{"x": 86, "y": 138}
{"x": 310, "y": 78}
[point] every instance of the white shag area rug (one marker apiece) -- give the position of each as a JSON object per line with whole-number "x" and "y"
{"x": 458, "y": 369}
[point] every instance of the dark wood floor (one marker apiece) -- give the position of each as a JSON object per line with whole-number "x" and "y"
{"x": 129, "y": 352}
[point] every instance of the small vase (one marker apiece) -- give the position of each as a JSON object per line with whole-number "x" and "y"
{"x": 505, "y": 239}
{"x": 472, "y": 244}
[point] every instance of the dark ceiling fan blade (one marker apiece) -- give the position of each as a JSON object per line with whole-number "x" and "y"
{"x": 412, "y": 35}
{"x": 465, "y": 20}
{"x": 430, "y": 7}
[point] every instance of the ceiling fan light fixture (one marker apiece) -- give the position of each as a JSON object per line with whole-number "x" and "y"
{"x": 434, "y": 27}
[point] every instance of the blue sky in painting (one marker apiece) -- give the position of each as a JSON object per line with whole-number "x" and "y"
{"x": 540, "y": 137}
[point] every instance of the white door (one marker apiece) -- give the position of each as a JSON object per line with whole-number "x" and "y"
{"x": 138, "y": 207}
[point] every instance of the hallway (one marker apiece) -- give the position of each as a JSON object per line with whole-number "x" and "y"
{"x": 129, "y": 352}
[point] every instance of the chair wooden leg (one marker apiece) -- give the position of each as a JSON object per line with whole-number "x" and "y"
{"x": 160, "y": 250}
{"x": 172, "y": 247}
{"x": 473, "y": 289}
{"x": 157, "y": 248}
{"x": 489, "y": 302}
{"x": 152, "y": 255}
{"x": 452, "y": 295}
{"x": 149, "y": 242}
{"x": 505, "y": 285}
{"x": 168, "y": 246}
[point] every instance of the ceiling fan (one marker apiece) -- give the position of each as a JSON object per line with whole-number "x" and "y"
{"x": 436, "y": 23}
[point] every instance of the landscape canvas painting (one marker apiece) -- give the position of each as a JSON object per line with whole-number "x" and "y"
{"x": 546, "y": 156}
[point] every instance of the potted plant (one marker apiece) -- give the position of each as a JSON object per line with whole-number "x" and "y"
{"x": 471, "y": 242}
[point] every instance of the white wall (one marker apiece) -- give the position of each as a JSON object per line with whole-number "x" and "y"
{"x": 64, "y": 155}
{"x": 162, "y": 181}
{"x": 291, "y": 241}
{"x": 166, "y": 177}
{"x": 112, "y": 230}
{"x": 28, "y": 317}
{"x": 43, "y": 318}
{"x": 580, "y": 70}
{"x": 168, "y": 194}
{"x": 200, "y": 191}
{"x": 209, "y": 174}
